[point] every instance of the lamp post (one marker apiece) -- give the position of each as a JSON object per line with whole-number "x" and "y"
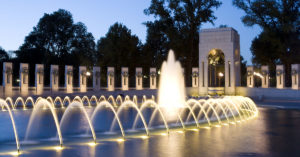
{"x": 88, "y": 73}
{"x": 220, "y": 74}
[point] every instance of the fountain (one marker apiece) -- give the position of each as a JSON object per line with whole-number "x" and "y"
{"x": 40, "y": 105}
{"x": 136, "y": 115}
{"x": 171, "y": 92}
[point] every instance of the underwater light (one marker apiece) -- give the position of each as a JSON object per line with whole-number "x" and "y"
{"x": 58, "y": 148}
{"x": 163, "y": 134}
{"x": 16, "y": 153}
{"x": 92, "y": 144}
{"x": 144, "y": 137}
{"x": 169, "y": 112}
{"x": 120, "y": 140}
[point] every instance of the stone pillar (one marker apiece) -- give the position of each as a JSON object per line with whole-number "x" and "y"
{"x": 82, "y": 78}
{"x": 195, "y": 77}
{"x": 39, "y": 78}
{"x": 280, "y": 80}
{"x": 96, "y": 78}
{"x": 69, "y": 78}
{"x": 265, "y": 73}
{"x": 203, "y": 77}
{"x": 295, "y": 76}
{"x": 139, "y": 78}
{"x": 153, "y": 77}
{"x": 24, "y": 78}
{"x": 7, "y": 78}
{"x": 54, "y": 77}
{"x": 125, "y": 78}
{"x": 230, "y": 75}
{"x": 110, "y": 78}
{"x": 250, "y": 76}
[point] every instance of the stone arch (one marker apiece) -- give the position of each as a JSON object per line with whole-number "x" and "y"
{"x": 227, "y": 40}
{"x": 216, "y": 63}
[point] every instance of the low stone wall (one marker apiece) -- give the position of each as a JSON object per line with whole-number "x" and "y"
{"x": 268, "y": 93}
{"x": 131, "y": 92}
{"x": 255, "y": 93}
{"x": 258, "y": 93}
{"x": 192, "y": 91}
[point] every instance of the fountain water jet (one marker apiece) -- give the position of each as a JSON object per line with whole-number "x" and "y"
{"x": 171, "y": 91}
{"x": 74, "y": 104}
{"x": 157, "y": 107}
{"x": 107, "y": 104}
{"x": 58, "y": 99}
{"x": 132, "y": 104}
{"x": 85, "y": 98}
{"x": 193, "y": 101}
{"x": 9, "y": 100}
{"x": 38, "y": 106}
{"x": 4, "y": 104}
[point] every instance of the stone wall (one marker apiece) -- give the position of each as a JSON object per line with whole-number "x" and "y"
{"x": 268, "y": 93}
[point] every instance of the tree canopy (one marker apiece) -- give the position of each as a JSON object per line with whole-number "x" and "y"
{"x": 279, "y": 41}
{"x": 3, "y": 55}
{"x": 57, "y": 39}
{"x": 119, "y": 47}
{"x": 177, "y": 23}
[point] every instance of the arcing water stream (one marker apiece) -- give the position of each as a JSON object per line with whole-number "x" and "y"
{"x": 173, "y": 108}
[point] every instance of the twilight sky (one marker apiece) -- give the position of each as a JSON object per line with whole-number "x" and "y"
{"x": 18, "y": 17}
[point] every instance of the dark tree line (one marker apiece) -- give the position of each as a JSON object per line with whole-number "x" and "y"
{"x": 176, "y": 26}
{"x": 279, "y": 41}
{"x": 57, "y": 39}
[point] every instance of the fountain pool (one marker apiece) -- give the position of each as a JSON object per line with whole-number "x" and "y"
{"x": 44, "y": 124}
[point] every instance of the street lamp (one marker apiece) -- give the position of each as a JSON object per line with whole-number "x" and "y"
{"x": 88, "y": 73}
{"x": 220, "y": 74}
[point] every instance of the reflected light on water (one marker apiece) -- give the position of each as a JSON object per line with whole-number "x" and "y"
{"x": 181, "y": 132}
{"x": 58, "y": 148}
{"x": 206, "y": 127}
{"x": 120, "y": 140}
{"x": 195, "y": 130}
{"x": 16, "y": 153}
{"x": 92, "y": 144}
{"x": 163, "y": 134}
{"x": 144, "y": 137}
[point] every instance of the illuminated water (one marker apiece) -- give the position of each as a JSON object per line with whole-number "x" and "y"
{"x": 63, "y": 124}
{"x": 273, "y": 133}
{"x": 171, "y": 91}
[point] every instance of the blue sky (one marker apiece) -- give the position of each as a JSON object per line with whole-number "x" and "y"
{"x": 18, "y": 17}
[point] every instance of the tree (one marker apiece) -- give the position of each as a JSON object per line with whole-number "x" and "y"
{"x": 3, "y": 55}
{"x": 119, "y": 48}
{"x": 56, "y": 39}
{"x": 156, "y": 47}
{"x": 180, "y": 21}
{"x": 243, "y": 71}
{"x": 83, "y": 45}
{"x": 279, "y": 41}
